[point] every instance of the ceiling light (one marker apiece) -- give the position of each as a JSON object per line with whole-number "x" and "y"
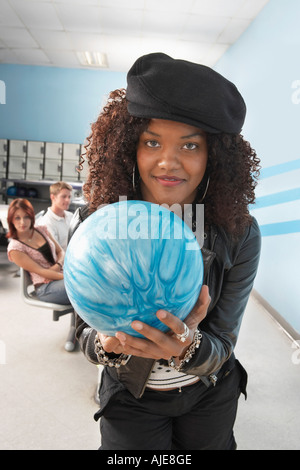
{"x": 93, "y": 59}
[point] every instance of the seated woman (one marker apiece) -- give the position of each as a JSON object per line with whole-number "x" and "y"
{"x": 35, "y": 250}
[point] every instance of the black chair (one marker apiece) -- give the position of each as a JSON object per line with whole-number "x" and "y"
{"x": 39, "y": 215}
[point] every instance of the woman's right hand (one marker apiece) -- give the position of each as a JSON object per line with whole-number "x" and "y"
{"x": 57, "y": 269}
{"x": 24, "y": 261}
{"x": 110, "y": 344}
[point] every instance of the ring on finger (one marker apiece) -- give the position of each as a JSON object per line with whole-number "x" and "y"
{"x": 184, "y": 336}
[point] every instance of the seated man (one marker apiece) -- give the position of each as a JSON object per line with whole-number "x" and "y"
{"x": 57, "y": 218}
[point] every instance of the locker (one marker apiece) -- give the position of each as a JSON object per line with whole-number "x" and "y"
{"x": 52, "y": 169}
{"x": 35, "y": 149}
{"x": 53, "y": 150}
{"x": 3, "y": 147}
{"x": 71, "y": 152}
{"x": 35, "y": 160}
{"x": 3, "y": 166}
{"x": 34, "y": 168}
{"x": 16, "y": 167}
{"x": 69, "y": 170}
{"x": 3, "y": 158}
{"x": 84, "y": 172}
{"x": 17, "y": 148}
{"x": 17, "y": 159}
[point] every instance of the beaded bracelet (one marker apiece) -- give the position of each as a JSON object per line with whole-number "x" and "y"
{"x": 189, "y": 353}
{"x": 105, "y": 360}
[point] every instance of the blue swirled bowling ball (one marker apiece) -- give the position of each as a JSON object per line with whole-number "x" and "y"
{"x": 129, "y": 259}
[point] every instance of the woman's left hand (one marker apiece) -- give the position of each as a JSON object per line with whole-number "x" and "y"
{"x": 159, "y": 345}
{"x": 55, "y": 267}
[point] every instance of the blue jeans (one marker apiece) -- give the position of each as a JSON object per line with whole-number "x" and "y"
{"x": 54, "y": 292}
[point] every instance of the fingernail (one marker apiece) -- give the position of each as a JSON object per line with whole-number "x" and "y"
{"x": 162, "y": 314}
{"x": 137, "y": 325}
{"x": 121, "y": 337}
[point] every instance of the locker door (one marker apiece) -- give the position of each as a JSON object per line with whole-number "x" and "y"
{"x": 84, "y": 172}
{"x": 16, "y": 168}
{"x": 53, "y": 154}
{"x": 17, "y": 148}
{"x": 35, "y": 160}
{"x": 71, "y": 153}
{"x": 3, "y": 166}
{"x": 17, "y": 159}
{"x": 53, "y": 150}
{"x": 34, "y": 168}
{"x": 69, "y": 171}
{"x": 52, "y": 169}
{"x": 3, "y": 158}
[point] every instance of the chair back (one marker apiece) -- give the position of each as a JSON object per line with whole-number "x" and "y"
{"x": 39, "y": 215}
{"x": 29, "y": 295}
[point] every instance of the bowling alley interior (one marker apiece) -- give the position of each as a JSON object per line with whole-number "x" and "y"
{"x": 59, "y": 60}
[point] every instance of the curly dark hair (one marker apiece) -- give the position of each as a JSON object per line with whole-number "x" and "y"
{"x": 233, "y": 166}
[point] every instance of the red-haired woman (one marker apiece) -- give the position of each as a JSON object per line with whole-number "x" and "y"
{"x": 35, "y": 250}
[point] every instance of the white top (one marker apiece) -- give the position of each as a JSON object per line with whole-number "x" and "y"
{"x": 165, "y": 377}
{"x": 57, "y": 226}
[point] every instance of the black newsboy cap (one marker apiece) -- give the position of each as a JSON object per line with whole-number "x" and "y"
{"x": 164, "y": 88}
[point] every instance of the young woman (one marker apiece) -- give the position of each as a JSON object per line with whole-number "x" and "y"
{"x": 173, "y": 136}
{"x": 35, "y": 250}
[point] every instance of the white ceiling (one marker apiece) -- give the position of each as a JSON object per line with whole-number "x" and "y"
{"x": 50, "y": 32}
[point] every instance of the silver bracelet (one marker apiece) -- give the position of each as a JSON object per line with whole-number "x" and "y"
{"x": 105, "y": 360}
{"x": 189, "y": 353}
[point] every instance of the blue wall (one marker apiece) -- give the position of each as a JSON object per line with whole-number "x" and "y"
{"x": 53, "y": 104}
{"x": 265, "y": 65}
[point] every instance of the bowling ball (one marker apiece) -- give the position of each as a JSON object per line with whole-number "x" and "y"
{"x": 129, "y": 259}
{"x": 11, "y": 191}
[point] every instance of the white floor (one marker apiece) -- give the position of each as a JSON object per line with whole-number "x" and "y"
{"x": 47, "y": 394}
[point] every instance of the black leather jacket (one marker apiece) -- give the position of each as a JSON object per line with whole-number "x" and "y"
{"x": 230, "y": 267}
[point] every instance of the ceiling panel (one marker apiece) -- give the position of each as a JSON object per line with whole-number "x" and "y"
{"x": 204, "y": 28}
{"x": 51, "y": 32}
{"x": 155, "y": 25}
{"x": 77, "y": 2}
{"x": 227, "y": 8}
{"x": 8, "y": 16}
{"x": 170, "y": 6}
{"x": 79, "y": 18}
{"x": 35, "y": 14}
{"x": 233, "y": 30}
{"x": 127, "y": 22}
{"x": 62, "y": 58}
{"x": 17, "y": 37}
{"x": 29, "y": 56}
{"x": 58, "y": 40}
{"x": 251, "y": 8}
{"x": 115, "y": 4}
{"x": 87, "y": 41}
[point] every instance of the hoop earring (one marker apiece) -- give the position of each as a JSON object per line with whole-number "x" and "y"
{"x": 205, "y": 192}
{"x": 133, "y": 178}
